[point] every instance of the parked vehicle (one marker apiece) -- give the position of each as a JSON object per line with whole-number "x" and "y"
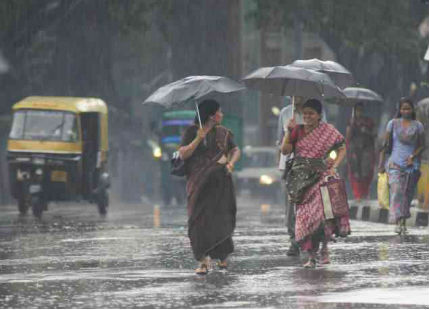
{"x": 57, "y": 151}
{"x": 260, "y": 176}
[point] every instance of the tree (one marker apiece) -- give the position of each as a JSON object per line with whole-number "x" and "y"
{"x": 376, "y": 40}
{"x": 64, "y": 47}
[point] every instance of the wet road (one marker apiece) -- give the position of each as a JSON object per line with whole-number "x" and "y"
{"x": 139, "y": 257}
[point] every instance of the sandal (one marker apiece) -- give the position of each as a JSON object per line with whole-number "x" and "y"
{"x": 404, "y": 227}
{"x": 222, "y": 264}
{"x": 324, "y": 260}
{"x": 398, "y": 228}
{"x": 202, "y": 269}
{"x": 310, "y": 264}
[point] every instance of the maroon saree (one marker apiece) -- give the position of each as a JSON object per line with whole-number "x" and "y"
{"x": 210, "y": 194}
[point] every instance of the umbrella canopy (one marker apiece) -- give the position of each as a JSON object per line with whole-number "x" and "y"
{"x": 340, "y": 75}
{"x": 422, "y": 110}
{"x": 192, "y": 87}
{"x": 293, "y": 81}
{"x": 359, "y": 94}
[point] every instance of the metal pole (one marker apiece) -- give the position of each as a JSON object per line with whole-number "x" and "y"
{"x": 199, "y": 120}
{"x": 198, "y": 113}
{"x": 293, "y": 106}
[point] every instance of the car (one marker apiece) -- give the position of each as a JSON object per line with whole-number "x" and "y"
{"x": 260, "y": 176}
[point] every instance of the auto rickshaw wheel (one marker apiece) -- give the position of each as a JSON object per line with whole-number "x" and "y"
{"x": 24, "y": 203}
{"x": 37, "y": 206}
{"x": 102, "y": 202}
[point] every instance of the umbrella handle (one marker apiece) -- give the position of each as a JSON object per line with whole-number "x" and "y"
{"x": 293, "y": 106}
{"x": 198, "y": 114}
{"x": 199, "y": 120}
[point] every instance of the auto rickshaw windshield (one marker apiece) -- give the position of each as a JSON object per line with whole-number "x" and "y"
{"x": 44, "y": 125}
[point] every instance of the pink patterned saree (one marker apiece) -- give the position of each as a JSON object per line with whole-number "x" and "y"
{"x": 311, "y": 226}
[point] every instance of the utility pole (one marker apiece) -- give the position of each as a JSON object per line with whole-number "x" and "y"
{"x": 271, "y": 55}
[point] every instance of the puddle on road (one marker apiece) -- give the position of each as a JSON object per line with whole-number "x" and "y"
{"x": 388, "y": 296}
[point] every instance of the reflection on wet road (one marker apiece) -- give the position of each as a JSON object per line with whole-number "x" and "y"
{"x": 139, "y": 256}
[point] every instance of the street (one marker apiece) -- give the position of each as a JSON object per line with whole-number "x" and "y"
{"x": 139, "y": 257}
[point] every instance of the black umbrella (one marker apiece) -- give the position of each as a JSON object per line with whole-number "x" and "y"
{"x": 192, "y": 88}
{"x": 359, "y": 94}
{"x": 293, "y": 81}
{"x": 339, "y": 74}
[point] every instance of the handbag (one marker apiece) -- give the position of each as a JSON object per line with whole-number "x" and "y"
{"x": 288, "y": 166}
{"x": 334, "y": 197}
{"x": 305, "y": 172}
{"x": 383, "y": 190}
{"x": 177, "y": 165}
{"x": 290, "y": 159}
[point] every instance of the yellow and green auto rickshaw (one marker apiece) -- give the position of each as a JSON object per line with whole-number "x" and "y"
{"x": 57, "y": 151}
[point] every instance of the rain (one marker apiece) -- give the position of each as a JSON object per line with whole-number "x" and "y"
{"x": 96, "y": 96}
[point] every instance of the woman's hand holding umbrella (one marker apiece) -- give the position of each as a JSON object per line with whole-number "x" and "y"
{"x": 291, "y": 124}
{"x": 202, "y": 133}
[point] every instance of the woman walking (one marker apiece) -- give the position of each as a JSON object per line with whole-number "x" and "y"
{"x": 311, "y": 143}
{"x": 360, "y": 152}
{"x": 210, "y": 154}
{"x": 403, "y": 143}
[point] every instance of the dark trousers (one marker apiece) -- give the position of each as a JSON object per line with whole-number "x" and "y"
{"x": 290, "y": 219}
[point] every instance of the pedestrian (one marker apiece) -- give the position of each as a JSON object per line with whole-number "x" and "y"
{"x": 311, "y": 143}
{"x": 422, "y": 115}
{"x": 360, "y": 152}
{"x": 210, "y": 154}
{"x": 285, "y": 116}
{"x": 403, "y": 145}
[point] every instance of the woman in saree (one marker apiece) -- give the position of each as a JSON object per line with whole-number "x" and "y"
{"x": 360, "y": 152}
{"x": 210, "y": 154}
{"x": 311, "y": 143}
{"x": 403, "y": 143}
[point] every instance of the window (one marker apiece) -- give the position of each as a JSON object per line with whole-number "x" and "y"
{"x": 44, "y": 125}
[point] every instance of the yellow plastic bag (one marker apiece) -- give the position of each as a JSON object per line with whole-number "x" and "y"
{"x": 423, "y": 187}
{"x": 383, "y": 190}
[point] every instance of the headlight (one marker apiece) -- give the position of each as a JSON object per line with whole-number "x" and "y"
{"x": 333, "y": 155}
{"x": 39, "y": 161}
{"x": 265, "y": 180}
{"x": 157, "y": 153}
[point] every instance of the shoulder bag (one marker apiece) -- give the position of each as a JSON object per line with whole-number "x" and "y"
{"x": 334, "y": 197}
{"x": 177, "y": 165}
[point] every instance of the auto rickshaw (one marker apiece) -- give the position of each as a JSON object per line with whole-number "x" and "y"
{"x": 57, "y": 151}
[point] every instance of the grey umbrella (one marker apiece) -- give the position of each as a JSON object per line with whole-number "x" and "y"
{"x": 339, "y": 74}
{"x": 359, "y": 94}
{"x": 422, "y": 110}
{"x": 192, "y": 88}
{"x": 293, "y": 81}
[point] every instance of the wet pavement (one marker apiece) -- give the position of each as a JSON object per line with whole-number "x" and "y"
{"x": 139, "y": 256}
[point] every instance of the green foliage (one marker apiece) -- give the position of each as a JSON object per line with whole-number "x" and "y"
{"x": 129, "y": 15}
{"x": 384, "y": 26}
